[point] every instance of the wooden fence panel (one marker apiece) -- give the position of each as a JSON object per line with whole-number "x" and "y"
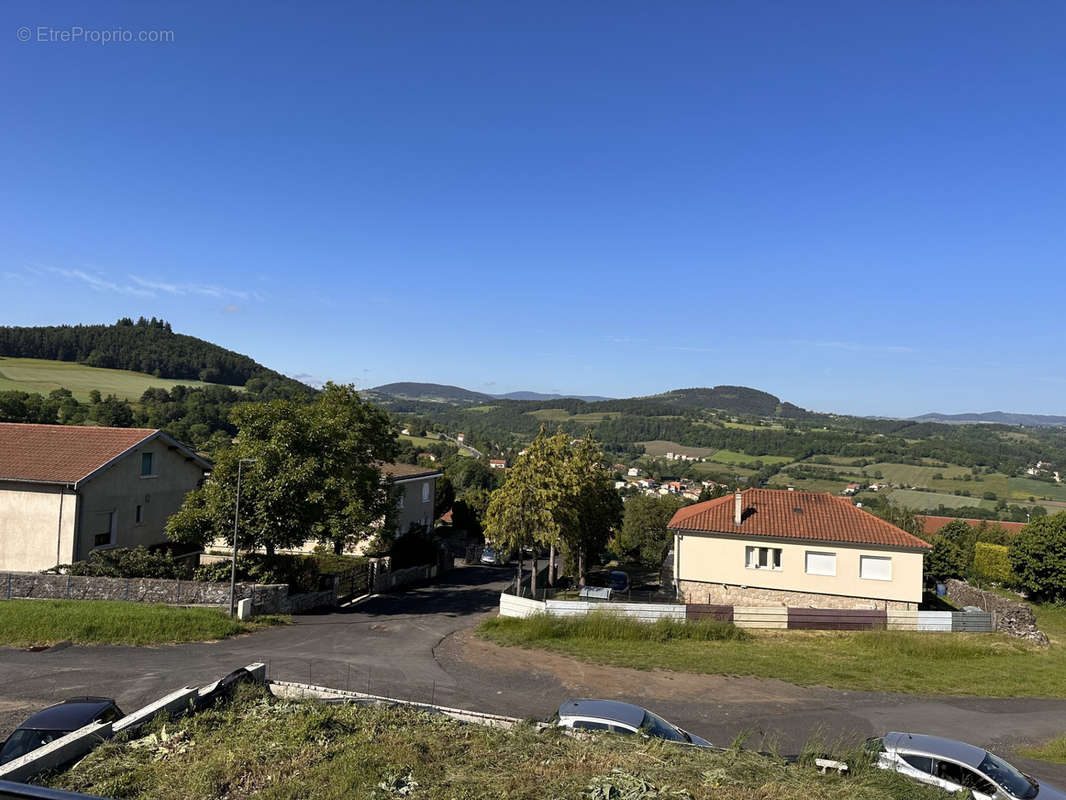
{"x": 833, "y": 619}
{"x": 697, "y": 611}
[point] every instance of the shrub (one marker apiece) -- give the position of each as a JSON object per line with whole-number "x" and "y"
{"x": 301, "y": 573}
{"x": 129, "y": 562}
{"x": 990, "y": 563}
{"x": 1038, "y": 557}
{"x": 414, "y": 549}
{"x": 944, "y": 561}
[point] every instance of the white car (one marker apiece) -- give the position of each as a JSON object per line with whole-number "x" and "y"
{"x": 616, "y": 717}
{"x": 957, "y": 767}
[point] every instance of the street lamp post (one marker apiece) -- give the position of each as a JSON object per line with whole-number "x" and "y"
{"x": 236, "y": 521}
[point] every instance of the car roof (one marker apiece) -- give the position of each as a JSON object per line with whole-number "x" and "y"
{"x": 626, "y": 713}
{"x": 935, "y": 745}
{"x": 69, "y": 715}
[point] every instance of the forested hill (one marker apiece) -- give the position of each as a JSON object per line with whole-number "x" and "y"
{"x": 147, "y": 345}
{"x": 734, "y": 399}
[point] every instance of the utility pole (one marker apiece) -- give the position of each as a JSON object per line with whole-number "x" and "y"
{"x": 236, "y": 521}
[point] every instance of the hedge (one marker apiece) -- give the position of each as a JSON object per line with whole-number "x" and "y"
{"x": 990, "y": 563}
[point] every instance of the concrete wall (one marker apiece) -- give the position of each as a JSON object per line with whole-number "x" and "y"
{"x": 121, "y": 488}
{"x": 415, "y": 510}
{"x": 722, "y": 560}
{"x": 36, "y": 526}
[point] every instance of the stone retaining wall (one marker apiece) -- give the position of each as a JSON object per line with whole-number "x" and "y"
{"x": 699, "y": 592}
{"x": 266, "y": 598}
{"x": 1008, "y": 616}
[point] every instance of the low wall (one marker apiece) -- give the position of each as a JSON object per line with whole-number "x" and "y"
{"x": 266, "y": 598}
{"x": 764, "y": 617}
{"x": 387, "y": 581}
{"x": 704, "y": 593}
{"x": 1008, "y": 616}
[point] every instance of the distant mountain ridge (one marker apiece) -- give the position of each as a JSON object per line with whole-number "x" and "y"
{"x": 999, "y": 417}
{"x": 731, "y": 399}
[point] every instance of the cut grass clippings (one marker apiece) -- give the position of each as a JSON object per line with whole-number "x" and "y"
{"x": 984, "y": 665}
{"x": 29, "y": 623}
{"x": 257, "y": 746}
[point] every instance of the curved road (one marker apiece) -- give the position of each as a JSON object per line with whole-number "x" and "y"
{"x": 416, "y": 645}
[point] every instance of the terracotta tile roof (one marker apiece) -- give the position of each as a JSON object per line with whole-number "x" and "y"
{"x": 933, "y": 524}
{"x": 61, "y": 453}
{"x": 813, "y": 516}
{"x": 401, "y": 471}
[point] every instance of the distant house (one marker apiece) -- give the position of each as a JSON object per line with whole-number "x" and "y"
{"x": 418, "y": 487}
{"x": 850, "y": 489}
{"x": 764, "y": 547}
{"x": 634, "y": 472}
{"x": 497, "y": 463}
{"x": 931, "y": 524}
{"x": 459, "y": 437}
{"x": 427, "y": 456}
{"x": 66, "y": 490}
{"x": 688, "y": 494}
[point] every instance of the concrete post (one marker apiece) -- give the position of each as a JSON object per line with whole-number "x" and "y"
{"x": 244, "y": 609}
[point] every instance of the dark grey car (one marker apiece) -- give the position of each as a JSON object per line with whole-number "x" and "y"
{"x": 617, "y": 717}
{"x": 957, "y": 767}
{"x": 56, "y": 721}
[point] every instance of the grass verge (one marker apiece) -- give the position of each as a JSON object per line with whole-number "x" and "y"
{"x": 256, "y": 746}
{"x": 1053, "y": 750}
{"x": 28, "y": 623}
{"x": 985, "y": 665}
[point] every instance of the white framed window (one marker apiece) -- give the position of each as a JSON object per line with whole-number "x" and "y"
{"x": 820, "y": 563}
{"x": 425, "y": 492}
{"x": 875, "y": 568}
{"x": 763, "y": 557}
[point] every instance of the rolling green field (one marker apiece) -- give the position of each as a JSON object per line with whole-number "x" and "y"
{"x": 734, "y": 457}
{"x": 921, "y": 500}
{"x": 37, "y": 375}
{"x": 1024, "y": 488}
{"x": 419, "y": 441}
{"x": 782, "y": 480}
{"x": 660, "y": 447}
{"x": 550, "y": 414}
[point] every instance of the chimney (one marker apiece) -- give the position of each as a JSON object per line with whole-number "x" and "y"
{"x": 738, "y": 500}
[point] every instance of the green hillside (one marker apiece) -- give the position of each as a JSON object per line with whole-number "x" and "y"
{"x": 38, "y": 375}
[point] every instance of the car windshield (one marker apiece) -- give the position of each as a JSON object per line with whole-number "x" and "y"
{"x": 661, "y": 729}
{"x": 24, "y": 740}
{"x": 1016, "y": 784}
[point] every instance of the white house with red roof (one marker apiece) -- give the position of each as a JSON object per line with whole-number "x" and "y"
{"x": 67, "y": 490}
{"x": 772, "y": 547}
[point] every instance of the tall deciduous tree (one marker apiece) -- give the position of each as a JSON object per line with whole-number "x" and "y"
{"x": 314, "y": 475}
{"x": 643, "y": 536}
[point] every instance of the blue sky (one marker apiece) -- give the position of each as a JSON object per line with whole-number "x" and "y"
{"x": 857, "y": 207}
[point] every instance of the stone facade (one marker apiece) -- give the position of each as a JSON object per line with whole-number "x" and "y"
{"x": 1008, "y": 616}
{"x": 730, "y": 595}
{"x": 266, "y": 598}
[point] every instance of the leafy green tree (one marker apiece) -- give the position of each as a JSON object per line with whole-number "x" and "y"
{"x": 964, "y": 536}
{"x": 643, "y": 536}
{"x": 595, "y": 509}
{"x": 444, "y": 496}
{"x": 1038, "y": 558}
{"x": 314, "y": 475}
{"x": 943, "y": 561}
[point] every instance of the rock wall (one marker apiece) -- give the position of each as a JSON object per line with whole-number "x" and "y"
{"x": 1008, "y": 616}
{"x": 719, "y": 594}
{"x": 266, "y": 598}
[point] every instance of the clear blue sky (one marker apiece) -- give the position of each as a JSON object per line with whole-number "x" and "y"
{"x": 860, "y": 207}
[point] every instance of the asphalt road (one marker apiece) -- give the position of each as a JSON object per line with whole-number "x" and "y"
{"x": 416, "y": 645}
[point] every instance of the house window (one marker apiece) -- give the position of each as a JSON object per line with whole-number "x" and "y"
{"x": 105, "y": 530}
{"x": 403, "y": 496}
{"x": 425, "y": 492}
{"x": 140, "y": 516}
{"x": 147, "y": 467}
{"x": 875, "y": 568}
{"x": 763, "y": 557}
{"x": 820, "y": 563}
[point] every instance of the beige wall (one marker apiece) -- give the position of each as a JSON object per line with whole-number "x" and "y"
{"x": 31, "y": 526}
{"x": 722, "y": 560}
{"x": 414, "y": 510}
{"x": 120, "y": 489}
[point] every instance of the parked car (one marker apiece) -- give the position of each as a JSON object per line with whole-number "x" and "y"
{"x": 618, "y": 580}
{"x": 957, "y": 767}
{"x": 617, "y": 717}
{"x": 55, "y": 721}
{"x": 491, "y": 557}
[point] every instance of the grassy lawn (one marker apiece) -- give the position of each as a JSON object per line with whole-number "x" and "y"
{"x": 419, "y": 441}
{"x": 1024, "y": 488}
{"x": 257, "y": 746}
{"x": 986, "y": 665}
{"x": 42, "y": 376}
{"x": 1054, "y": 750}
{"x": 735, "y": 457}
{"x": 782, "y": 480}
{"x": 26, "y": 623}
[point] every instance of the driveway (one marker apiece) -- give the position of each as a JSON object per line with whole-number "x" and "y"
{"x": 417, "y": 645}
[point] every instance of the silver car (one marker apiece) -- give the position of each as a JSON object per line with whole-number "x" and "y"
{"x": 957, "y": 767}
{"x": 616, "y": 717}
